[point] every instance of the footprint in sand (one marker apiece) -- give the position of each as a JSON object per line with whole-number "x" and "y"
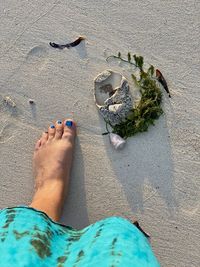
{"x": 6, "y": 133}
{"x": 37, "y": 52}
{"x": 14, "y": 102}
{"x": 38, "y": 56}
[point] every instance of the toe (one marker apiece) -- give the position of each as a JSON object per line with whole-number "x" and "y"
{"x": 51, "y": 132}
{"x": 38, "y": 144}
{"x": 59, "y": 129}
{"x": 69, "y": 129}
{"x": 44, "y": 138}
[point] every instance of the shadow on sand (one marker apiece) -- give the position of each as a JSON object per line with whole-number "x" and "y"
{"x": 75, "y": 211}
{"x": 145, "y": 167}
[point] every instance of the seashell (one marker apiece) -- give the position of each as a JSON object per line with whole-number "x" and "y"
{"x": 112, "y": 96}
{"x": 115, "y": 108}
{"x": 117, "y": 141}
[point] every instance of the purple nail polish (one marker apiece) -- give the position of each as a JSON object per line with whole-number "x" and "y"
{"x": 52, "y": 126}
{"x": 69, "y": 123}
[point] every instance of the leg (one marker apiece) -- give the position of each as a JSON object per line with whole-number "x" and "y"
{"x": 52, "y": 164}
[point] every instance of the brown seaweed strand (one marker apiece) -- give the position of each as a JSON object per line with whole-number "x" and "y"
{"x": 68, "y": 45}
{"x": 162, "y": 80}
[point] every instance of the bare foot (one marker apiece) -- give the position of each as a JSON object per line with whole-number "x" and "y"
{"x": 52, "y": 162}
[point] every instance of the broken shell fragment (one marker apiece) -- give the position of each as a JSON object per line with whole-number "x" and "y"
{"x": 117, "y": 141}
{"x": 8, "y": 101}
{"x": 112, "y": 96}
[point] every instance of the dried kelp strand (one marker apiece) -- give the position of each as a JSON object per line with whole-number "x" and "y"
{"x": 69, "y": 45}
{"x": 162, "y": 80}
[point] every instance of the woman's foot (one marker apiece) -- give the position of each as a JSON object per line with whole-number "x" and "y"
{"x": 52, "y": 162}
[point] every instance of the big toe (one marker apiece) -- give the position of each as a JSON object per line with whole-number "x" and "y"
{"x": 69, "y": 131}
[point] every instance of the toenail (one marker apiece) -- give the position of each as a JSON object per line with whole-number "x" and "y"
{"x": 59, "y": 122}
{"x": 52, "y": 126}
{"x": 69, "y": 123}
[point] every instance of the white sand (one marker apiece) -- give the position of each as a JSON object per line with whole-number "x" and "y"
{"x": 156, "y": 177}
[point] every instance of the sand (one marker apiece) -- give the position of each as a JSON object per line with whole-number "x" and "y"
{"x": 155, "y": 178}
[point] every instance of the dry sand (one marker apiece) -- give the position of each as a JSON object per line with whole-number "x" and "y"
{"x": 155, "y": 178}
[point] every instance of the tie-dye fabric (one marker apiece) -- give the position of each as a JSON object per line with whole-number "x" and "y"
{"x": 28, "y": 237}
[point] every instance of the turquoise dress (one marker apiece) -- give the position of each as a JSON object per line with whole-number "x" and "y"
{"x": 28, "y": 237}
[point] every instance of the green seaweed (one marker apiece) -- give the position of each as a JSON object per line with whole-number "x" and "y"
{"x": 149, "y": 109}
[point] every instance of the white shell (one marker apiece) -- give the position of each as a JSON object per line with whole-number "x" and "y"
{"x": 8, "y": 101}
{"x": 112, "y": 96}
{"x": 117, "y": 141}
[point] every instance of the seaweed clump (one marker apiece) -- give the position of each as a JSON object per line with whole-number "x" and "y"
{"x": 148, "y": 109}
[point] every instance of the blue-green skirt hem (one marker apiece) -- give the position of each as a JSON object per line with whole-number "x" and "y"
{"x": 29, "y": 237}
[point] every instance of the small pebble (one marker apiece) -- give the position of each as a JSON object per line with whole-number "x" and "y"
{"x": 31, "y": 101}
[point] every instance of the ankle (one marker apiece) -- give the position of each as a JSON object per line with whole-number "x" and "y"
{"x": 50, "y": 183}
{"x": 49, "y": 198}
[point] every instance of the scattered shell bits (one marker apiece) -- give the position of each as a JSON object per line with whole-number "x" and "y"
{"x": 112, "y": 96}
{"x": 8, "y": 101}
